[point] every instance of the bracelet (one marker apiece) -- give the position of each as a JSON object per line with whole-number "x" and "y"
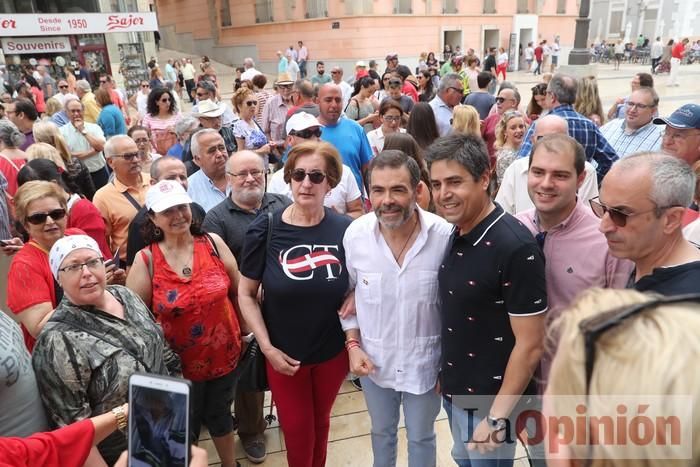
{"x": 121, "y": 418}
{"x": 352, "y": 346}
{"x": 351, "y": 340}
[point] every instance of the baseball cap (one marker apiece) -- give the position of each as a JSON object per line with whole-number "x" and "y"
{"x": 166, "y": 194}
{"x": 360, "y": 64}
{"x": 686, "y": 117}
{"x": 301, "y": 121}
{"x": 209, "y": 108}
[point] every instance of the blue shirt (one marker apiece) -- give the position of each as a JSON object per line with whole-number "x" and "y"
{"x": 443, "y": 115}
{"x": 111, "y": 121}
{"x": 60, "y": 118}
{"x": 176, "y": 150}
{"x": 644, "y": 139}
{"x": 203, "y": 191}
{"x": 585, "y": 132}
{"x": 350, "y": 140}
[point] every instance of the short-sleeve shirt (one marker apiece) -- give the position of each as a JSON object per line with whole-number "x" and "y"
{"x": 405, "y": 102}
{"x": 482, "y": 102}
{"x": 350, "y": 140}
{"x": 251, "y": 133}
{"x": 490, "y": 273}
{"x": 78, "y": 143}
{"x": 674, "y": 280}
{"x": 305, "y": 280}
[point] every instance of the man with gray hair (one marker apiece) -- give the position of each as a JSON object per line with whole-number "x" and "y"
{"x": 207, "y": 90}
{"x": 47, "y": 83}
{"x": 560, "y": 98}
{"x": 208, "y": 186}
{"x": 450, "y": 93}
{"x": 120, "y": 200}
{"x": 87, "y": 98}
{"x": 250, "y": 71}
{"x": 507, "y": 99}
{"x": 85, "y": 141}
{"x": 641, "y": 206}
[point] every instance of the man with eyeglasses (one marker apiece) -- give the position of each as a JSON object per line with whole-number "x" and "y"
{"x": 91, "y": 109}
{"x": 346, "y": 197}
{"x": 508, "y": 99}
{"x": 245, "y": 174}
{"x": 681, "y": 138}
{"x": 449, "y": 94}
{"x": 140, "y": 99}
{"x": 120, "y": 200}
{"x": 62, "y": 93}
{"x": 576, "y": 253}
{"x": 208, "y": 185}
{"x": 85, "y": 140}
{"x": 635, "y": 132}
{"x": 642, "y": 203}
{"x": 560, "y": 97}
{"x": 206, "y": 90}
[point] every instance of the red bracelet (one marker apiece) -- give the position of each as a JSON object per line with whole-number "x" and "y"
{"x": 352, "y": 345}
{"x": 350, "y": 340}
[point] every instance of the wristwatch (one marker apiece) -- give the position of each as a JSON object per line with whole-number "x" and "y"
{"x": 83, "y": 131}
{"x": 497, "y": 424}
{"x": 121, "y": 418}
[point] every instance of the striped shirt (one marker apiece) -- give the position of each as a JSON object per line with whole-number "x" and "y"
{"x": 646, "y": 138}
{"x": 585, "y": 132}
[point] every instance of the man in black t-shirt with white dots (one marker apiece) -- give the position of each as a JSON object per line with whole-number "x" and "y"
{"x": 493, "y": 294}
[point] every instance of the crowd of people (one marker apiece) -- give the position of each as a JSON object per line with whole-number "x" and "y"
{"x": 434, "y": 233}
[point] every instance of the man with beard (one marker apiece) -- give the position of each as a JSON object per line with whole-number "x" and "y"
{"x": 392, "y": 255}
{"x": 120, "y": 200}
{"x": 208, "y": 185}
{"x": 245, "y": 174}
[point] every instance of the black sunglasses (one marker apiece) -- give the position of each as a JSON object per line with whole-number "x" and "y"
{"x": 306, "y": 134}
{"x": 594, "y": 327}
{"x": 618, "y": 217}
{"x": 40, "y": 217}
{"x": 63, "y": 87}
{"x": 316, "y": 176}
{"x": 251, "y": 103}
{"x": 128, "y": 156}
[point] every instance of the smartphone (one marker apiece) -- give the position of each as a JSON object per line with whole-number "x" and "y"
{"x": 114, "y": 260}
{"x": 159, "y": 420}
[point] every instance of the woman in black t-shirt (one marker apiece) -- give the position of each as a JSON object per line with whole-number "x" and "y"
{"x": 302, "y": 271}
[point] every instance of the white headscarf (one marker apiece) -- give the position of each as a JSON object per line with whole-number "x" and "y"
{"x": 67, "y": 245}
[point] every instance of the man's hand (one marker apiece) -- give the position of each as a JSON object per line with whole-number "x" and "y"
{"x": 79, "y": 124}
{"x": 11, "y": 246}
{"x": 484, "y": 439}
{"x": 360, "y": 364}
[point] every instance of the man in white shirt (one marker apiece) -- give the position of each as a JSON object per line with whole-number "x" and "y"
{"x": 302, "y": 58}
{"x": 513, "y": 195}
{"x": 393, "y": 256}
{"x": 449, "y": 94}
{"x": 250, "y": 70}
{"x": 292, "y": 66}
{"x": 188, "y": 73}
{"x": 345, "y": 88}
{"x": 657, "y": 50}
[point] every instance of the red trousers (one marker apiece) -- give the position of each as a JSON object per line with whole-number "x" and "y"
{"x": 304, "y": 403}
{"x": 502, "y": 69}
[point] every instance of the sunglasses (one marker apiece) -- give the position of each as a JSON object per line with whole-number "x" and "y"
{"x": 594, "y": 327}
{"x": 130, "y": 156}
{"x": 103, "y": 82}
{"x": 251, "y": 103}
{"x": 306, "y": 134}
{"x": 144, "y": 85}
{"x": 501, "y": 100}
{"x": 315, "y": 176}
{"x": 63, "y": 87}
{"x": 165, "y": 100}
{"x": 40, "y": 217}
{"x": 617, "y": 216}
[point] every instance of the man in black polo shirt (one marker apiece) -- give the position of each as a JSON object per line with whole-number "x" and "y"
{"x": 230, "y": 219}
{"x": 492, "y": 288}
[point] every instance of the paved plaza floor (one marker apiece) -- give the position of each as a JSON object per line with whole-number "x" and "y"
{"x": 349, "y": 443}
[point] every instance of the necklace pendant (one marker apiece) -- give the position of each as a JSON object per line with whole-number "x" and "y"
{"x": 186, "y": 271}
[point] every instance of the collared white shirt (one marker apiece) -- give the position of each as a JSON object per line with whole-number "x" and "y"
{"x": 203, "y": 191}
{"x": 398, "y": 311}
{"x": 443, "y": 115}
{"x": 643, "y": 139}
{"x": 376, "y": 139}
{"x": 514, "y": 198}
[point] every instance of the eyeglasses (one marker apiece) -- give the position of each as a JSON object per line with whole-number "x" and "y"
{"x": 167, "y": 99}
{"x": 285, "y": 86}
{"x": 219, "y": 147}
{"x": 459, "y": 90}
{"x": 141, "y": 141}
{"x": 103, "y": 81}
{"x": 631, "y": 105}
{"x": 245, "y": 174}
{"x": 201, "y": 94}
{"x": 145, "y": 86}
{"x": 315, "y": 176}
{"x": 63, "y": 87}
{"x": 251, "y": 103}
{"x": 501, "y": 100}
{"x": 678, "y": 136}
{"x": 334, "y": 72}
{"x": 39, "y": 218}
{"x": 306, "y": 134}
{"x": 389, "y": 118}
{"x": 617, "y": 216}
{"x": 129, "y": 156}
{"x": 92, "y": 265}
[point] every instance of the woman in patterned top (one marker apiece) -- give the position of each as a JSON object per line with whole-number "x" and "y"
{"x": 248, "y": 133}
{"x": 97, "y": 337}
{"x": 190, "y": 280}
{"x": 509, "y": 136}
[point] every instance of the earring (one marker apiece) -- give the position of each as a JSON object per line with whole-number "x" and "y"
{"x": 157, "y": 231}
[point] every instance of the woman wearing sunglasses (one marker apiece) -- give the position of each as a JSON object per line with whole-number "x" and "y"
{"x": 299, "y": 262}
{"x": 247, "y": 132}
{"x": 160, "y": 119}
{"x": 617, "y": 351}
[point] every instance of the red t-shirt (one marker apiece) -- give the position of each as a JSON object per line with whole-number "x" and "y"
{"x": 66, "y": 447}
{"x": 10, "y": 169}
{"x": 86, "y": 217}
{"x": 538, "y": 53}
{"x": 410, "y": 91}
{"x": 678, "y": 50}
{"x": 196, "y": 314}
{"x": 488, "y": 132}
{"x": 39, "y": 101}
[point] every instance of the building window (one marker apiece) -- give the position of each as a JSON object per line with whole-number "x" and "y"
{"x": 449, "y": 7}
{"x": 263, "y": 11}
{"x": 358, "y": 7}
{"x": 403, "y": 7}
{"x": 523, "y": 7}
{"x": 225, "y": 13}
{"x": 615, "y": 27}
{"x": 561, "y": 7}
{"x": 489, "y": 6}
{"x": 316, "y": 8}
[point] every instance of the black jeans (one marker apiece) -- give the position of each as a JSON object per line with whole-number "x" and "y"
{"x": 99, "y": 178}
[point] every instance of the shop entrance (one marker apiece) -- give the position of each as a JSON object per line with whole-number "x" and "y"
{"x": 96, "y": 61}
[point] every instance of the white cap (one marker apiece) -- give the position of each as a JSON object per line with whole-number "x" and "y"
{"x": 301, "y": 121}
{"x": 166, "y": 194}
{"x": 360, "y": 64}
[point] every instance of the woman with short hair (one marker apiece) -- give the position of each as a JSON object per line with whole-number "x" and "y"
{"x": 465, "y": 120}
{"x": 110, "y": 119}
{"x": 390, "y": 115}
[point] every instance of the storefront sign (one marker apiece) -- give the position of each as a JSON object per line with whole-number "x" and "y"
{"x": 35, "y": 45}
{"x": 14, "y": 25}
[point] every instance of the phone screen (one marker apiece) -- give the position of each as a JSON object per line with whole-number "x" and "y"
{"x": 158, "y": 434}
